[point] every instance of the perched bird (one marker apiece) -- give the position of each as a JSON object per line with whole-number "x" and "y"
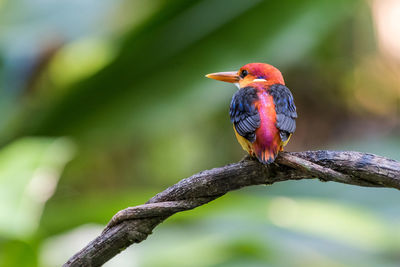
{"x": 262, "y": 110}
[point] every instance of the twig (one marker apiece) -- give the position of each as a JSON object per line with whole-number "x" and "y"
{"x": 134, "y": 224}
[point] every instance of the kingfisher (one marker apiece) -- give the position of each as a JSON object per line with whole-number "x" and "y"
{"x": 262, "y": 111}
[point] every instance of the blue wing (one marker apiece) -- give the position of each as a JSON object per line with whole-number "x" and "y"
{"x": 285, "y": 110}
{"x": 243, "y": 113}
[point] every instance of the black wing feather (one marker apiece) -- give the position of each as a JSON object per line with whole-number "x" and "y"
{"x": 243, "y": 113}
{"x": 285, "y": 110}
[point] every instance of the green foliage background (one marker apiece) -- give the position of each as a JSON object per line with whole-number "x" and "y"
{"x": 104, "y": 103}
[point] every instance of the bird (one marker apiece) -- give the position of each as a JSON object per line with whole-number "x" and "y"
{"x": 262, "y": 111}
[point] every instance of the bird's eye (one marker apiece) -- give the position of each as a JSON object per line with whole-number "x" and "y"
{"x": 243, "y": 73}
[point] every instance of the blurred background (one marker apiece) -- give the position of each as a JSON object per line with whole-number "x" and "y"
{"x": 104, "y": 103}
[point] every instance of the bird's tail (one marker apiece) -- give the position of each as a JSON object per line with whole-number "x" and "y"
{"x": 266, "y": 153}
{"x": 266, "y": 156}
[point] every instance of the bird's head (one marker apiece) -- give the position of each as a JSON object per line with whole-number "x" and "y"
{"x": 250, "y": 73}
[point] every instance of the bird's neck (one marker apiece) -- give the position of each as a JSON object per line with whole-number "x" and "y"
{"x": 259, "y": 86}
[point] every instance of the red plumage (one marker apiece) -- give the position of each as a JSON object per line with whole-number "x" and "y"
{"x": 262, "y": 110}
{"x": 267, "y": 144}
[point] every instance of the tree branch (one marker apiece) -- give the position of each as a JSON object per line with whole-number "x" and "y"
{"x": 134, "y": 224}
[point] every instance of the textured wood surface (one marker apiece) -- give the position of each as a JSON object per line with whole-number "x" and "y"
{"x": 134, "y": 224}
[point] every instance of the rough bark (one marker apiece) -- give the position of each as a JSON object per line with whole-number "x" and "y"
{"x": 134, "y": 224}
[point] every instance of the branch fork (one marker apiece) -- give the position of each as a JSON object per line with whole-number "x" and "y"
{"x": 134, "y": 224}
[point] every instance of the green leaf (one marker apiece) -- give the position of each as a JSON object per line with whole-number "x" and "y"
{"x": 29, "y": 172}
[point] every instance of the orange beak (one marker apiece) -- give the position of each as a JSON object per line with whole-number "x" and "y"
{"x": 229, "y": 76}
